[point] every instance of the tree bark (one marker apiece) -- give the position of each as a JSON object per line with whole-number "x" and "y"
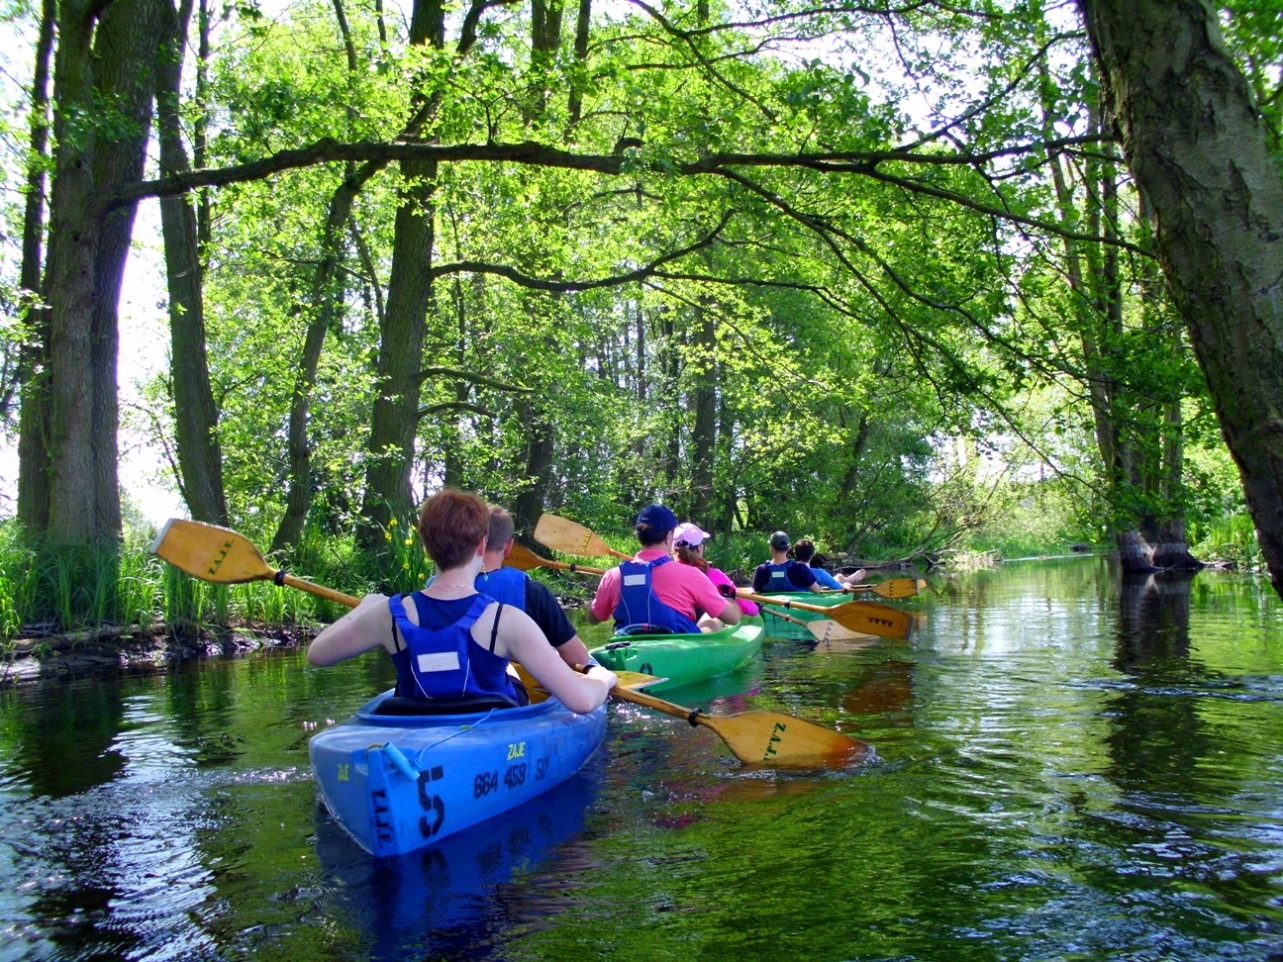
{"x": 395, "y": 418}
{"x": 200, "y": 456}
{"x": 108, "y": 62}
{"x": 33, "y": 362}
{"x": 1197, "y": 147}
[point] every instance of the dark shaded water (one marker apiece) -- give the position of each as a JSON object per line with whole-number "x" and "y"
{"x": 1069, "y": 768}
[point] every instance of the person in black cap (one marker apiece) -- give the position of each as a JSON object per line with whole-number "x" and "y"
{"x": 781, "y": 573}
{"x": 654, "y": 590}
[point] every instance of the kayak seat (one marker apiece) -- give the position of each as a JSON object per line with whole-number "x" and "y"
{"x": 400, "y": 705}
{"x": 643, "y": 628}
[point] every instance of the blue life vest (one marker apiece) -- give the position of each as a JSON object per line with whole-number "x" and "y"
{"x": 780, "y": 580}
{"x": 505, "y": 585}
{"x": 446, "y": 663}
{"x": 638, "y": 603}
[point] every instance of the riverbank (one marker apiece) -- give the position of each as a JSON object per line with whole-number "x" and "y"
{"x": 134, "y": 649}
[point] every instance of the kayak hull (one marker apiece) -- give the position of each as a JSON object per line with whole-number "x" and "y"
{"x": 682, "y": 659}
{"x": 397, "y": 783}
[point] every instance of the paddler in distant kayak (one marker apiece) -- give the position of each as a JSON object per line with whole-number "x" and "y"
{"x": 653, "y": 590}
{"x": 448, "y": 641}
{"x": 782, "y": 573}
{"x": 804, "y": 551}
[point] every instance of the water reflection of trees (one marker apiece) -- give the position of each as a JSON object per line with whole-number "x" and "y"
{"x": 1157, "y": 734}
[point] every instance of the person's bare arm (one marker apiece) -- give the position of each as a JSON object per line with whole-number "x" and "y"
{"x": 573, "y": 652}
{"x": 521, "y": 640}
{"x": 731, "y": 613}
{"x": 365, "y": 627}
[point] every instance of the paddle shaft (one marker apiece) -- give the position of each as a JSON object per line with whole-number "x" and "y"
{"x": 525, "y": 559}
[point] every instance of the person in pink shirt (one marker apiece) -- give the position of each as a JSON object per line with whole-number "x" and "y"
{"x": 654, "y": 591}
{"x": 688, "y": 549}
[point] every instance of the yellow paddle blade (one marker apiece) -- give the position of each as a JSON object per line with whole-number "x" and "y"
{"x": 222, "y": 556}
{"x": 873, "y": 619}
{"x": 765, "y": 737}
{"x": 892, "y": 588}
{"x": 635, "y": 679}
{"x": 524, "y": 559}
{"x": 210, "y": 553}
{"x": 563, "y": 535}
{"x": 773, "y": 738}
{"x": 826, "y": 630}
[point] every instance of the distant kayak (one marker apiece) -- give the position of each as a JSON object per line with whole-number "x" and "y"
{"x": 782, "y": 622}
{"x": 684, "y": 658}
{"x": 400, "y": 782}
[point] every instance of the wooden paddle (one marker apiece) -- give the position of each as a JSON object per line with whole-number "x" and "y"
{"x": 525, "y": 559}
{"x": 864, "y": 616}
{"x": 789, "y": 618}
{"x": 765, "y": 737}
{"x": 216, "y": 554}
{"x": 827, "y": 630}
{"x": 562, "y": 535}
{"x": 221, "y": 555}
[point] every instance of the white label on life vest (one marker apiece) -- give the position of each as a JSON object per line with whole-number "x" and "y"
{"x": 634, "y": 580}
{"x": 442, "y": 661}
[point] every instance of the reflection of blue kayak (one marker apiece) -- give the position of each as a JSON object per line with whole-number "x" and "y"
{"x": 441, "y": 902}
{"x": 400, "y": 782}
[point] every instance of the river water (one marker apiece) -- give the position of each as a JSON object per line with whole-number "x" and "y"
{"x": 1067, "y": 768}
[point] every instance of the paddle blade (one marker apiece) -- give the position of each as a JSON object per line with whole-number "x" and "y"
{"x": 894, "y": 588}
{"x": 209, "y": 552}
{"x": 826, "y": 630}
{"x": 561, "y": 534}
{"x": 776, "y": 739}
{"x": 637, "y": 680}
{"x": 874, "y": 619}
{"x": 524, "y": 559}
{"x": 765, "y": 737}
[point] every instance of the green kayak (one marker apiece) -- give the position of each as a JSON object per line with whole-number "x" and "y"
{"x": 783, "y": 622}
{"x": 684, "y": 658}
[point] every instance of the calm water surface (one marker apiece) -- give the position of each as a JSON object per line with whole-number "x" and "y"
{"x": 1067, "y": 768}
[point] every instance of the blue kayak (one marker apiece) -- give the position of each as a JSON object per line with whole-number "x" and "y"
{"x": 399, "y": 782}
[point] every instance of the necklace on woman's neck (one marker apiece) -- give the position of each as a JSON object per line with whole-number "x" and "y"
{"x": 449, "y": 584}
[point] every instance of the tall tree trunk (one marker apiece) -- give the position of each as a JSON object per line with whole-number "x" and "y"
{"x": 33, "y": 360}
{"x": 200, "y": 457}
{"x": 1197, "y": 147}
{"x": 703, "y": 441}
{"x": 575, "y": 101}
{"x": 540, "y": 448}
{"x": 395, "y": 418}
{"x": 112, "y": 65}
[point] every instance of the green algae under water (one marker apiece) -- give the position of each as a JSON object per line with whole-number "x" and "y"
{"x": 1068, "y": 767}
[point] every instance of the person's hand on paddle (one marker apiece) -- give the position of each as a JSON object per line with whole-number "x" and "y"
{"x": 595, "y": 670}
{"x": 726, "y": 591}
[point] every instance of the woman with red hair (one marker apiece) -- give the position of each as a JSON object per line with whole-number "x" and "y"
{"x": 448, "y": 641}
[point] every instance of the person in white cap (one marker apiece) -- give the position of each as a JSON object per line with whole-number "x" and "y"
{"x": 688, "y": 548}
